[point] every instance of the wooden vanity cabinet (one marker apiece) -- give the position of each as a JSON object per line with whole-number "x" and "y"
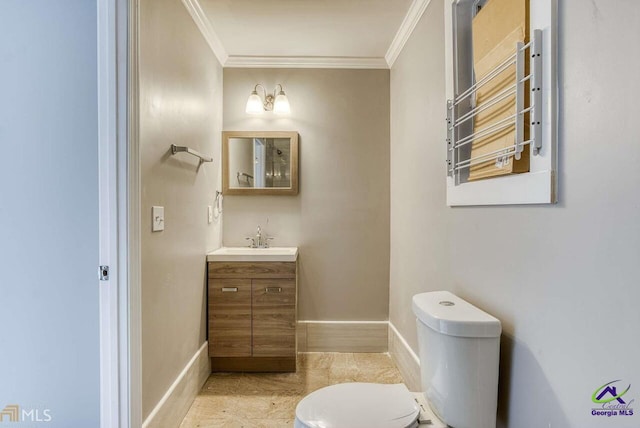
{"x": 252, "y": 316}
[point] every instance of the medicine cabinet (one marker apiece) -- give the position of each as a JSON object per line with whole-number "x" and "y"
{"x": 501, "y": 92}
{"x": 259, "y": 163}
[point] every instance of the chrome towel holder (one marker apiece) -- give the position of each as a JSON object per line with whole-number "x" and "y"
{"x": 177, "y": 149}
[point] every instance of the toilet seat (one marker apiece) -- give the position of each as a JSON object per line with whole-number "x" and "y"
{"x": 358, "y": 405}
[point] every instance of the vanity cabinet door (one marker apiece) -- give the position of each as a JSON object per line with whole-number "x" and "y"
{"x": 274, "y": 317}
{"x": 230, "y": 318}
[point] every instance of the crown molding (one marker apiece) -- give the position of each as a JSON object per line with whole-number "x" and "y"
{"x": 409, "y": 23}
{"x": 204, "y": 25}
{"x": 236, "y": 61}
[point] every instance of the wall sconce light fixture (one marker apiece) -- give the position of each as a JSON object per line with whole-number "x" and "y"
{"x": 276, "y": 102}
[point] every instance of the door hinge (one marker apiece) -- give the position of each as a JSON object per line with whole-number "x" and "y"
{"x": 104, "y": 273}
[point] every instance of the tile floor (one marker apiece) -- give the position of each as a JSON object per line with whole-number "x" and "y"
{"x": 259, "y": 400}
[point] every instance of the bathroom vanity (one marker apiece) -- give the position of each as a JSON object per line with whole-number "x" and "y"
{"x": 252, "y": 303}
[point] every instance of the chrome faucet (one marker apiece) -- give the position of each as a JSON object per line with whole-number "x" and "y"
{"x": 260, "y": 240}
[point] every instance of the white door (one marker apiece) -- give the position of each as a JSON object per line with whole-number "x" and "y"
{"x": 49, "y": 313}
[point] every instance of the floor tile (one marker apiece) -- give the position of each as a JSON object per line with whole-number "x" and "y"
{"x": 269, "y": 400}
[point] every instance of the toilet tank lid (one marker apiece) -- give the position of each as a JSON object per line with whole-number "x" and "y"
{"x": 448, "y": 314}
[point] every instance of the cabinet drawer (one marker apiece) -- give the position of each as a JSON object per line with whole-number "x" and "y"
{"x": 252, "y": 270}
{"x": 274, "y": 317}
{"x": 230, "y": 318}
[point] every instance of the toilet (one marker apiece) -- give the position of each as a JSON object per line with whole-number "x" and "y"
{"x": 459, "y": 347}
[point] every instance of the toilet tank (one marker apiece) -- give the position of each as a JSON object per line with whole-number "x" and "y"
{"x": 459, "y": 357}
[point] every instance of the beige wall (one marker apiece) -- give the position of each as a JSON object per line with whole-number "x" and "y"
{"x": 563, "y": 279}
{"x": 340, "y": 219}
{"x": 181, "y": 103}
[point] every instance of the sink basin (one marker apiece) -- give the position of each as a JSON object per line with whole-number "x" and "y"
{"x": 246, "y": 254}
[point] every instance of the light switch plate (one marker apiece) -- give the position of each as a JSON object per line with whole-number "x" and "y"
{"x": 157, "y": 219}
{"x": 210, "y": 213}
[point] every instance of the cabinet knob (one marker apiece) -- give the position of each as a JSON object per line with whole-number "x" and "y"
{"x": 273, "y": 289}
{"x": 229, "y": 289}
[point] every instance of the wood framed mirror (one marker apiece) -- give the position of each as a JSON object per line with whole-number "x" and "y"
{"x": 260, "y": 163}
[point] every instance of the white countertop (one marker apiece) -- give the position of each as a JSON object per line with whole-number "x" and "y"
{"x": 246, "y": 254}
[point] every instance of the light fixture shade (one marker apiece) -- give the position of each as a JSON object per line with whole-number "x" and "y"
{"x": 254, "y": 104}
{"x": 281, "y": 104}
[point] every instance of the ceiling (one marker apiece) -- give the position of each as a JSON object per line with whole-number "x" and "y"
{"x": 281, "y": 32}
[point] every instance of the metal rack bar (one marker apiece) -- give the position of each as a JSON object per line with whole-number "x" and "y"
{"x": 485, "y": 105}
{"x": 484, "y": 132}
{"x": 486, "y": 79}
{"x": 519, "y": 100}
{"x": 536, "y": 91}
{"x": 496, "y": 71}
{"x": 487, "y": 157}
{"x": 177, "y": 149}
{"x": 450, "y": 129}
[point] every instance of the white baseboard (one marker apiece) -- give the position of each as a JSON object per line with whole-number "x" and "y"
{"x": 405, "y": 359}
{"x": 343, "y": 336}
{"x": 174, "y": 405}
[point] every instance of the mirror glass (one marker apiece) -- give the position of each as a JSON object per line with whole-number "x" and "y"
{"x": 260, "y": 162}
